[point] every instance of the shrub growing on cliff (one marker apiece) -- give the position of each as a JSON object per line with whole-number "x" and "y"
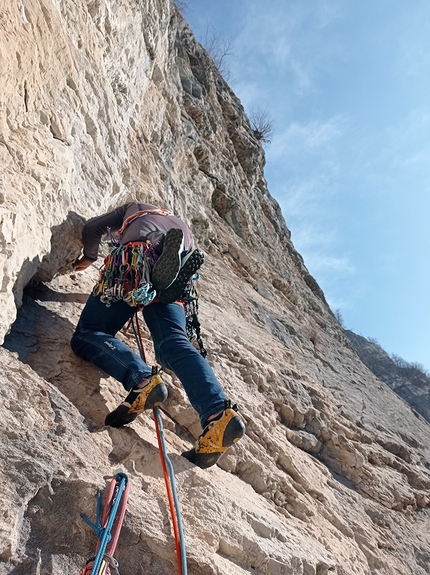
{"x": 262, "y": 125}
{"x": 218, "y": 48}
{"x": 337, "y": 314}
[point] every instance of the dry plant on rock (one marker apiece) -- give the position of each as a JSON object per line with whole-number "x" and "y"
{"x": 218, "y": 48}
{"x": 262, "y": 125}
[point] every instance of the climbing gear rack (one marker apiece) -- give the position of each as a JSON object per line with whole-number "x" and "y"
{"x": 125, "y": 275}
{"x": 190, "y": 301}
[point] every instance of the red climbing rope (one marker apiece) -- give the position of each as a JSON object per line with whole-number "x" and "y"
{"x": 139, "y": 337}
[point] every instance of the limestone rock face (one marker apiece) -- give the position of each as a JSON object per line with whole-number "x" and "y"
{"x": 105, "y": 102}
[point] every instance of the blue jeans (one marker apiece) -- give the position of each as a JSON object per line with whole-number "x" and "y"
{"x": 94, "y": 340}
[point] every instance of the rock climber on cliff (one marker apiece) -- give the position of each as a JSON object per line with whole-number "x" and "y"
{"x": 149, "y": 268}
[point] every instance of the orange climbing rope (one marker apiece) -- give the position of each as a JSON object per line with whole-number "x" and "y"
{"x": 172, "y": 496}
{"x": 168, "y": 472}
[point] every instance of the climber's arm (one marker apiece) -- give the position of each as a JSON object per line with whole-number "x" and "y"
{"x": 92, "y": 234}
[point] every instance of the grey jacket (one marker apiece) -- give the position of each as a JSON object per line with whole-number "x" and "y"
{"x": 151, "y": 227}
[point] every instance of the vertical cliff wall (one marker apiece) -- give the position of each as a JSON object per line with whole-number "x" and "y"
{"x": 104, "y": 102}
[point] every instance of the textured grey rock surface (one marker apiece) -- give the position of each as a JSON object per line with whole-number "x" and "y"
{"x": 104, "y": 102}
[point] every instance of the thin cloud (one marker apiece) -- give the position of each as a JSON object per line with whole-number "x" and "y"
{"x": 285, "y": 41}
{"x": 411, "y": 144}
{"x": 314, "y": 137}
{"x": 305, "y": 199}
{"x": 317, "y": 247}
{"x": 412, "y": 48}
{"x": 399, "y": 153}
{"x": 328, "y": 12}
{"x": 323, "y": 264}
{"x": 347, "y": 85}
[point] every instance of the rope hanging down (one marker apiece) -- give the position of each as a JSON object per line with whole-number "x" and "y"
{"x": 107, "y": 527}
{"x": 169, "y": 479}
{"x": 168, "y": 472}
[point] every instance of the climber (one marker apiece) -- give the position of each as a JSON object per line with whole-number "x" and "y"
{"x": 148, "y": 269}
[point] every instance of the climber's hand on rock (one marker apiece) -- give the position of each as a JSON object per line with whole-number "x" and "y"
{"x": 81, "y": 264}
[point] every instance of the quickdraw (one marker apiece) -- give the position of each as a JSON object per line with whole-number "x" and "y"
{"x": 190, "y": 300}
{"x": 107, "y": 527}
{"x": 125, "y": 275}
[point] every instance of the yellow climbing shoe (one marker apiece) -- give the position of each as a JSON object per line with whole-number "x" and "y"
{"x": 217, "y": 437}
{"x": 138, "y": 400}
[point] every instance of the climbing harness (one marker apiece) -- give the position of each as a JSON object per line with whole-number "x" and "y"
{"x": 107, "y": 527}
{"x": 137, "y": 215}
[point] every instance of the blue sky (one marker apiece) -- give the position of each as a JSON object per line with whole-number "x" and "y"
{"x": 347, "y": 85}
